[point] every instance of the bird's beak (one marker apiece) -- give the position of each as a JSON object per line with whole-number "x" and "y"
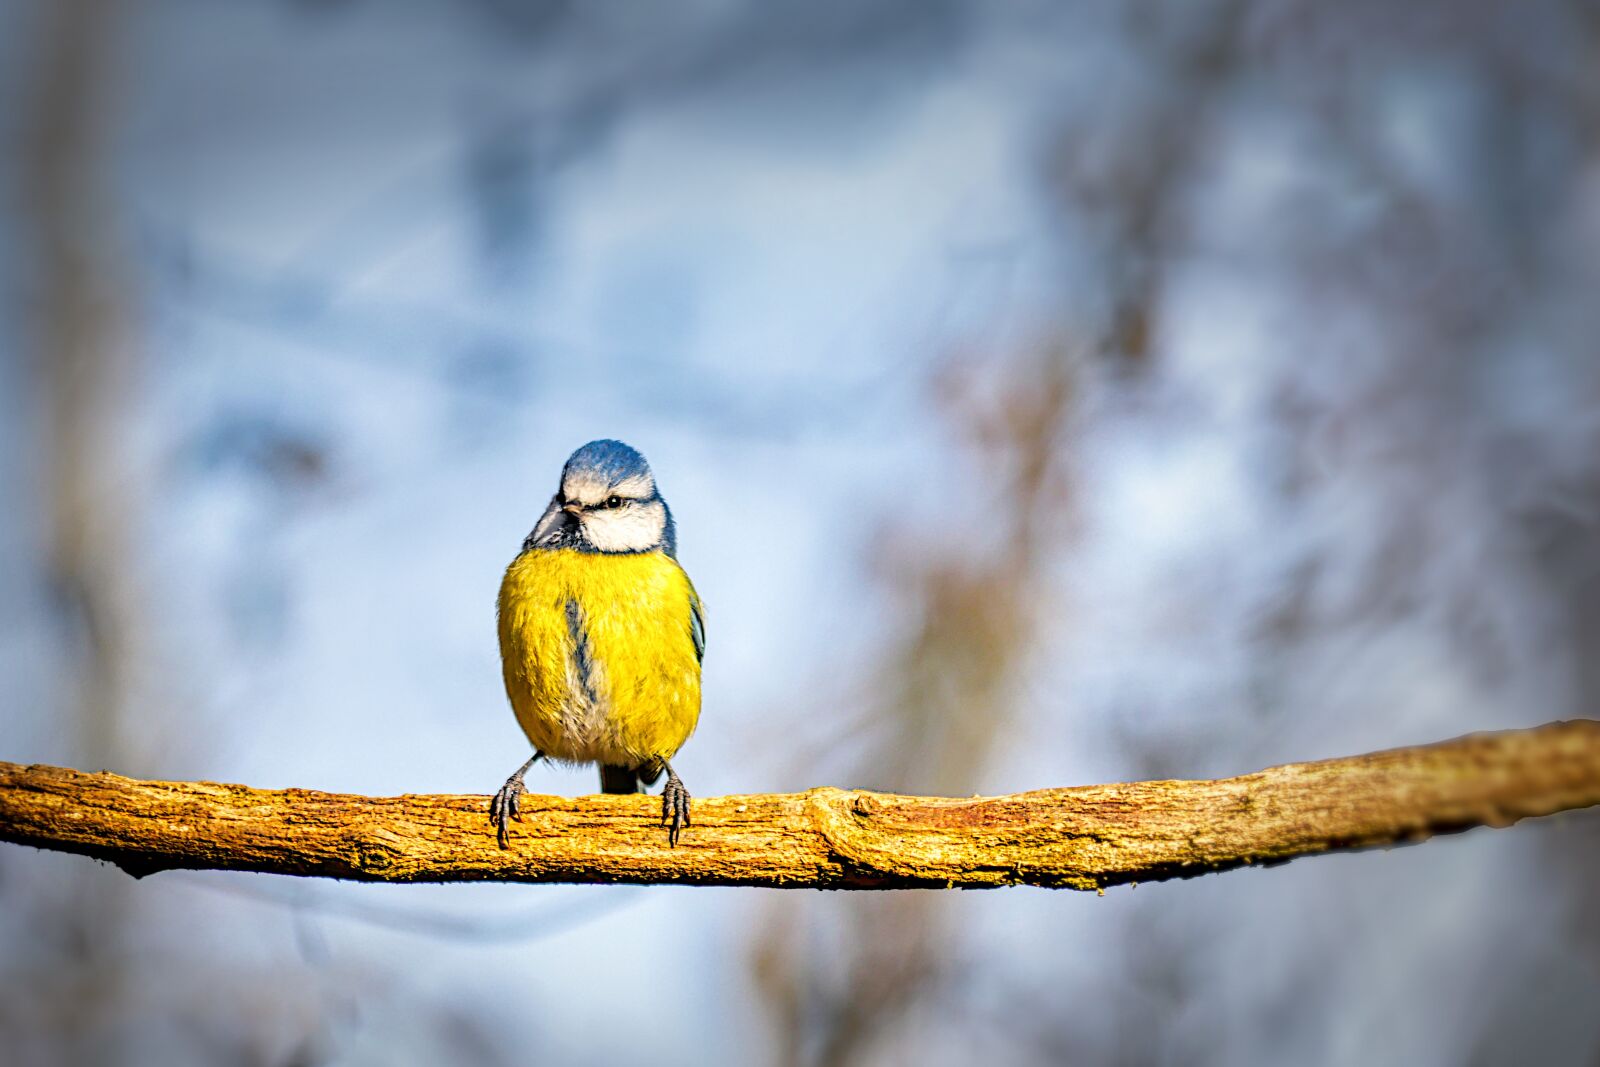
{"x": 572, "y": 509}
{"x": 556, "y": 518}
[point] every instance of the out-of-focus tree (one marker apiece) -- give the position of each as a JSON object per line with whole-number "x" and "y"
{"x": 842, "y": 975}
{"x": 83, "y": 360}
{"x": 1434, "y": 172}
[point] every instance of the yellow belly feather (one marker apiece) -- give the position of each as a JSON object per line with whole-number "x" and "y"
{"x": 643, "y": 697}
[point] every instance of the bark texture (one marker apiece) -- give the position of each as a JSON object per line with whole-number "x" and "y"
{"x": 1085, "y": 837}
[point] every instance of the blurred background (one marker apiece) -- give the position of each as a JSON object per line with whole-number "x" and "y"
{"x": 1048, "y": 393}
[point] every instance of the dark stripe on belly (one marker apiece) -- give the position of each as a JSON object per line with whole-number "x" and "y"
{"x": 582, "y": 660}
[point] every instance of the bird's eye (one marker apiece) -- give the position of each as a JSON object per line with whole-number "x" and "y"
{"x": 614, "y": 502}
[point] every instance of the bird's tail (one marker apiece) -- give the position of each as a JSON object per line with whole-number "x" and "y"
{"x": 619, "y": 779}
{"x": 629, "y": 779}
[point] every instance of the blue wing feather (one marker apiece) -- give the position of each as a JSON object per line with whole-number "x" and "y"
{"x": 697, "y": 628}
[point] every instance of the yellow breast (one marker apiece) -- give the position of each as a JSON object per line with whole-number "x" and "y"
{"x": 599, "y": 655}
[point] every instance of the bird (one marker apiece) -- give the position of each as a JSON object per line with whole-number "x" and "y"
{"x": 602, "y": 635}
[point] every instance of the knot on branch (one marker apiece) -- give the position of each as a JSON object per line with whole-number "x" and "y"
{"x": 870, "y": 847}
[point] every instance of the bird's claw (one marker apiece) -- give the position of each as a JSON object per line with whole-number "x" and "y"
{"x": 674, "y": 807}
{"x": 506, "y": 805}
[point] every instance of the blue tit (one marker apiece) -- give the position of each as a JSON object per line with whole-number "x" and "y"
{"x": 602, "y": 634}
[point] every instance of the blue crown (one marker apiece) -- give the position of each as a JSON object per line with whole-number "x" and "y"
{"x": 611, "y": 460}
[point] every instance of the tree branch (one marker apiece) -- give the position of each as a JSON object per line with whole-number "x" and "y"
{"x": 1083, "y": 838}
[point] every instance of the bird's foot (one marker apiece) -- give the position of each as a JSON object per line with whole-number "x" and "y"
{"x": 674, "y": 807}
{"x": 507, "y": 804}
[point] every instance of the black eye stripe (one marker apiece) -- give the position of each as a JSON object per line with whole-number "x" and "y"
{"x": 620, "y": 501}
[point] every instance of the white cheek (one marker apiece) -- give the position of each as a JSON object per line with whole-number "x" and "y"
{"x": 629, "y": 529}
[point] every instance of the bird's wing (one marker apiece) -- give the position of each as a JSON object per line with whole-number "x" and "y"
{"x": 697, "y": 627}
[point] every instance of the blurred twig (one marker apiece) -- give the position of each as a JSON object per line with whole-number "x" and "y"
{"x": 532, "y": 924}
